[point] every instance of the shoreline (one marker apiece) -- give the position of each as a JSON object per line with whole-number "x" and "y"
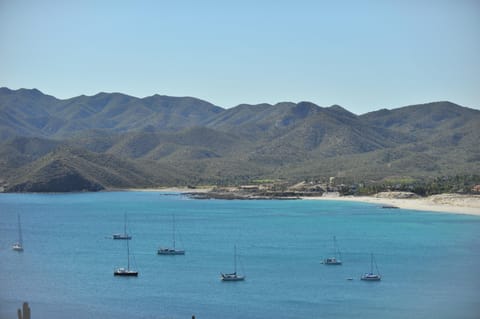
{"x": 169, "y": 190}
{"x": 443, "y": 203}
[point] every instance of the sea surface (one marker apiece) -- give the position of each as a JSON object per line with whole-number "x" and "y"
{"x": 429, "y": 262}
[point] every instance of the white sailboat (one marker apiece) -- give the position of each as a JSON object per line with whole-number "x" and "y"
{"x": 124, "y": 235}
{"x": 18, "y": 246}
{"x": 336, "y": 259}
{"x": 371, "y": 276}
{"x": 171, "y": 250}
{"x": 233, "y": 276}
{"x": 126, "y": 271}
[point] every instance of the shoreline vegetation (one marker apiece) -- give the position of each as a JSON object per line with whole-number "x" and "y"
{"x": 116, "y": 141}
{"x": 446, "y": 203}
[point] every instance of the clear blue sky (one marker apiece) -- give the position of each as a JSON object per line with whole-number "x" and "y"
{"x": 363, "y": 55}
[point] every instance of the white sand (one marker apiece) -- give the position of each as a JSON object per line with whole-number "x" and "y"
{"x": 448, "y": 203}
{"x": 172, "y": 189}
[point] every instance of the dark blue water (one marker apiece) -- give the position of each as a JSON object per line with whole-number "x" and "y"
{"x": 430, "y": 262}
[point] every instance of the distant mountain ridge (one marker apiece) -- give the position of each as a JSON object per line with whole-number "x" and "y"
{"x": 113, "y": 140}
{"x": 30, "y": 113}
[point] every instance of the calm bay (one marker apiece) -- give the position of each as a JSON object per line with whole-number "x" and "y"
{"x": 429, "y": 262}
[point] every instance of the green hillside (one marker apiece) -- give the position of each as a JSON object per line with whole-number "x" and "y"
{"x": 112, "y": 140}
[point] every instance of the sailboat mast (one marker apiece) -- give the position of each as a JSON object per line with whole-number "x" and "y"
{"x": 235, "y": 258}
{"x": 335, "y": 249}
{"x": 125, "y": 224}
{"x": 173, "y": 232}
{"x": 20, "y": 239}
{"x": 128, "y": 256}
{"x": 371, "y": 263}
{"x": 376, "y": 267}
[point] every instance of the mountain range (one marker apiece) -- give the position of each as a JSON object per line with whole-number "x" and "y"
{"x": 113, "y": 140}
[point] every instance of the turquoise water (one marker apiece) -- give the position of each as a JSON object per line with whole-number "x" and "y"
{"x": 430, "y": 262}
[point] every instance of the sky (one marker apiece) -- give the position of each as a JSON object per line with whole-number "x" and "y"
{"x": 362, "y": 55}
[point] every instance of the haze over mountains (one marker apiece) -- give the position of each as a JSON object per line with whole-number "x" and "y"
{"x": 112, "y": 140}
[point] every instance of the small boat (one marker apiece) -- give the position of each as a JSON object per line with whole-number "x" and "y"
{"x": 371, "y": 276}
{"x": 390, "y": 207}
{"x": 126, "y": 271}
{"x": 335, "y": 260}
{"x": 18, "y": 246}
{"x": 121, "y": 236}
{"x": 233, "y": 276}
{"x": 124, "y": 235}
{"x": 171, "y": 250}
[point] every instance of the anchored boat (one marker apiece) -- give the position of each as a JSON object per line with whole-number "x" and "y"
{"x": 124, "y": 235}
{"x": 336, "y": 258}
{"x": 371, "y": 276}
{"x": 18, "y": 246}
{"x": 126, "y": 271}
{"x": 171, "y": 250}
{"x": 233, "y": 276}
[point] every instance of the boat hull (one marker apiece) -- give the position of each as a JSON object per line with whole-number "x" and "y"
{"x": 370, "y": 277}
{"x": 240, "y": 278}
{"x": 232, "y": 277}
{"x": 125, "y": 273}
{"x": 332, "y": 262}
{"x": 17, "y": 247}
{"x": 170, "y": 252}
{"x": 118, "y": 236}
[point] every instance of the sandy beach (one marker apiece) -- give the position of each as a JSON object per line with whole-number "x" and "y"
{"x": 447, "y": 203}
{"x": 171, "y": 189}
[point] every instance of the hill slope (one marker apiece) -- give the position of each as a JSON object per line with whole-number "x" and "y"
{"x": 112, "y": 140}
{"x": 31, "y": 113}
